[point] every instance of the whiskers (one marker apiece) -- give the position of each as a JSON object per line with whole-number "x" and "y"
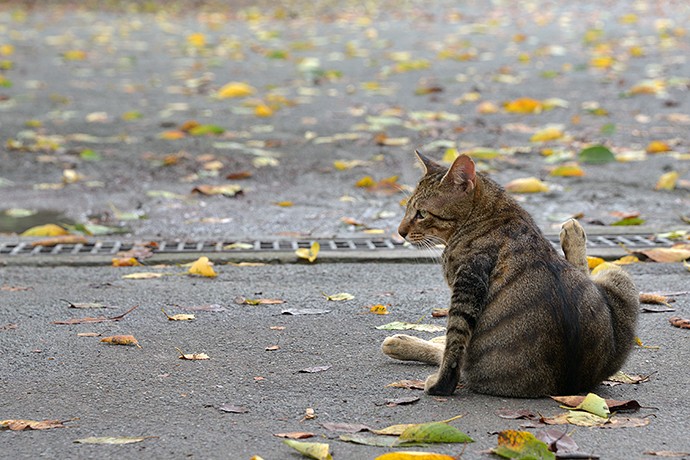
{"x": 433, "y": 245}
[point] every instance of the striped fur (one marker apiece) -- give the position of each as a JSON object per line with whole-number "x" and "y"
{"x": 523, "y": 321}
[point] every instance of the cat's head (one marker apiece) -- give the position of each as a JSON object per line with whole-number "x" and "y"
{"x": 441, "y": 200}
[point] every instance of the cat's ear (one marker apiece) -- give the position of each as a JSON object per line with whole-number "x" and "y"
{"x": 461, "y": 172}
{"x": 430, "y": 166}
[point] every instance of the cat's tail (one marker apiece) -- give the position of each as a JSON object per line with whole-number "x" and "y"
{"x": 622, "y": 298}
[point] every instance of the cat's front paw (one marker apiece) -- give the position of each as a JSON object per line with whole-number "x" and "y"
{"x": 400, "y": 346}
{"x": 433, "y": 386}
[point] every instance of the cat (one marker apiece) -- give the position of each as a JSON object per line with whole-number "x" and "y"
{"x": 523, "y": 321}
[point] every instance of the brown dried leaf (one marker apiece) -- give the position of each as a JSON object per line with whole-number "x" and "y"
{"x": 245, "y": 301}
{"x": 314, "y": 369}
{"x": 613, "y": 404}
{"x": 233, "y": 409}
{"x": 402, "y": 401}
{"x": 676, "y": 253}
{"x": 677, "y": 321}
{"x": 523, "y": 414}
{"x": 20, "y": 425}
{"x": 667, "y": 453}
{"x": 345, "y": 427}
{"x": 295, "y": 435}
{"x": 61, "y": 239}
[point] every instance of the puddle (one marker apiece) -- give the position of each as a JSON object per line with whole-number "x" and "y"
{"x": 18, "y": 220}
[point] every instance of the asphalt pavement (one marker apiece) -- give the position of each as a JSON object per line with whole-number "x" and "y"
{"x": 97, "y": 115}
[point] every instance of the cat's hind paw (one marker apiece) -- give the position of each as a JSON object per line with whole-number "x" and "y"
{"x": 409, "y": 348}
{"x": 574, "y": 244}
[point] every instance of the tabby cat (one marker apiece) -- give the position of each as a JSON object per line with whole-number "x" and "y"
{"x": 523, "y": 321}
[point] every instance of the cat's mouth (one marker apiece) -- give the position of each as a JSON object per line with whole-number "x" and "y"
{"x": 426, "y": 243}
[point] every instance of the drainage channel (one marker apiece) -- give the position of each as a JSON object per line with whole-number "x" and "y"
{"x": 276, "y": 250}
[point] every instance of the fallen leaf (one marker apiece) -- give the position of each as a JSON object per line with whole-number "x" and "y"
{"x": 345, "y": 427}
{"x": 315, "y": 450}
{"x": 121, "y": 340}
{"x": 112, "y": 439}
{"x": 214, "y": 308}
{"x": 368, "y": 440}
{"x": 676, "y": 253}
{"x": 193, "y": 356}
{"x": 677, "y": 321}
{"x": 378, "y": 309}
{"x": 179, "y": 316}
{"x": 622, "y": 378}
{"x": 591, "y": 403}
{"x": 667, "y": 453}
{"x": 233, "y": 409}
{"x": 524, "y": 105}
{"x": 45, "y": 230}
{"x": 229, "y": 190}
{"x": 526, "y": 185}
{"x": 593, "y": 262}
{"x": 434, "y": 432}
{"x": 567, "y": 170}
{"x": 401, "y": 401}
{"x": 273, "y": 348}
{"x": 61, "y": 239}
{"x": 143, "y": 276}
{"x": 88, "y": 334}
{"x": 238, "y": 246}
{"x": 235, "y": 89}
{"x": 304, "y": 311}
{"x": 629, "y": 221}
{"x": 244, "y": 301}
{"x": 404, "y": 326}
{"x": 84, "y": 304}
{"x": 309, "y": 414}
{"x": 549, "y": 133}
{"x": 20, "y": 425}
{"x": 310, "y": 253}
{"x": 408, "y": 384}
{"x": 340, "y": 297}
{"x": 596, "y": 154}
{"x": 658, "y": 147}
{"x": 99, "y": 319}
{"x": 202, "y": 267}
{"x": 667, "y": 181}
{"x": 655, "y": 299}
{"x": 522, "y": 414}
{"x": 414, "y": 455}
{"x": 559, "y": 442}
{"x": 294, "y": 435}
{"x": 521, "y": 445}
{"x": 312, "y": 370}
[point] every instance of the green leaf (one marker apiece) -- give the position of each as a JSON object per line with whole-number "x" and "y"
{"x": 629, "y": 221}
{"x": 608, "y": 129}
{"x": 316, "y": 450}
{"x": 594, "y": 405}
{"x": 203, "y": 130}
{"x": 522, "y": 445}
{"x": 597, "y": 154}
{"x": 90, "y": 155}
{"x": 433, "y": 432}
{"x": 368, "y": 440}
{"x": 404, "y": 326}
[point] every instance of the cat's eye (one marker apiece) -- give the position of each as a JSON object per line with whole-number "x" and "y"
{"x": 421, "y": 215}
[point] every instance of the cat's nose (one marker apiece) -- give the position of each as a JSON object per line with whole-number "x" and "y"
{"x": 402, "y": 232}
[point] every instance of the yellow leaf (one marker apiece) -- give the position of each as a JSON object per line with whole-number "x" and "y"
{"x": 601, "y": 62}
{"x": 142, "y": 276}
{"x": 74, "y": 55}
{"x": 549, "y": 133}
{"x": 202, "y": 267}
{"x": 593, "y": 404}
{"x": 667, "y": 181}
{"x": 567, "y": 170}
{"x": 284, "y": 204}
{"x": 70, "y": 176}
{"x": 309, "y": 254}
{"x": 315, "y": 450}
{"x": 625, "y": 260}
{"x": 45, "y": 230}
{"x": 19, "y": 425}
{"x": 413, "y": 455}
{"x": 339, "y": 297}
{"x": 235, "y": 89}
{"x": 526, "y": 185}
{"x": 593, "y": 262}
{"x": 365, "y": 182}
{"x": 379, "y": 309}
{"x": 229, "y": 190}
{"x": 179, "y": 316}
{"x": 121, "y": 340}
{"x": 450, "y": 155}
{"x": 6, "y": 50}
{"x": 125, "y": 262}
{"x": 523, "y": 105}
{"x": 263, "y": 111}
{"x": 198, "y": 40}
{"x": 658, "y": 147}
{"x": 581, "y": 418}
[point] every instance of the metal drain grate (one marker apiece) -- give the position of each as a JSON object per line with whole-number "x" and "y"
{"x": 25, "y": 248}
